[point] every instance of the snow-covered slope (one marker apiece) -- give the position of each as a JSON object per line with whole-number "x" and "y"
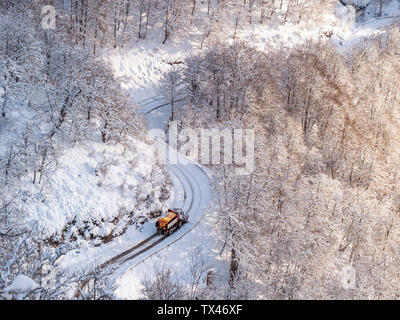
{"x": 97, "y": 182}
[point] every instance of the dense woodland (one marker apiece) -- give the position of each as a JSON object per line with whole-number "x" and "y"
{"x": 54, "y": 95}
{"x": 322, "y": 205}
{"x": 324, "y": 194}
{"x": 321, "y": 209}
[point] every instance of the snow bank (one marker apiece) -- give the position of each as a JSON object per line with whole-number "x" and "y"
{"x": 95, "y": 182}
{"x": 141, "y": 67}
{"x": 22, "y": 283}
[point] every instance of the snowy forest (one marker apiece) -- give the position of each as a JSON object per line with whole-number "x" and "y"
{"x": 318, "y": 82}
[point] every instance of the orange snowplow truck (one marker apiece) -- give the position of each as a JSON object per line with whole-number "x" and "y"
{"x": 173, "y": 220}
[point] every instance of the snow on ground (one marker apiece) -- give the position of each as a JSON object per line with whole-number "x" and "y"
{"x": 177, "y": 255}
{"x": 87, "y": 255}
{"x": 340, "y": 27}
{"x": 142, "y": 67}
{"x": 96, "y": 181}
{"x": 370, "y": 24}
{"x": 272, "y": 36}
{"x": 22, "y": 283}
{"x": 89, "y": 175}
{"x": 178, "y": 247}
{"x": 389, "y": 9}
{"x": 367, "y": 29}
{"x": 20, "y": 287}
{"x": 93, "y": 183}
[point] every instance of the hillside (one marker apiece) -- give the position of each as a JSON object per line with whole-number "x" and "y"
{"x": 303, "y": 207}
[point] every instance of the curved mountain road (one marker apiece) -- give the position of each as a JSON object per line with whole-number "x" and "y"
{"x": 196, "y": 186}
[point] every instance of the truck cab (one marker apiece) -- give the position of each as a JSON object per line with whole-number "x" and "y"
{"x": 172, "y": 220}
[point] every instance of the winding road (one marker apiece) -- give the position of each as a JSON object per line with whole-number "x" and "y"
{"x": 197, "y": 189}
{"x": 196, "y": 186}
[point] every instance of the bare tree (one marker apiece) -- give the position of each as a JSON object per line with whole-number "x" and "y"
{"x": 162, "y": 284}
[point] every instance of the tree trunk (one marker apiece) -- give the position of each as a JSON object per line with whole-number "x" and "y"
{"x": 140, "y": 19}
{"x": 194, "y": 7}
{"x": 380, "y": 8}
{"x": 125, "y": 20}
{"x": 172, "y": 115}
{"x": 8, "y": 165}
{"x": 104, "y": 131}
{"x": 95, "y": 37}
{"x": 236, "y": 25}
{"x": 3, "y": 108}
{"x": 234, "y": 265}
{"x": 147, "y": 19}
{"x": 166, "y": 23}
{"x": 61, "y": 118}
{"x": 42, "y": 165}
{"x": 115, "y": 27}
